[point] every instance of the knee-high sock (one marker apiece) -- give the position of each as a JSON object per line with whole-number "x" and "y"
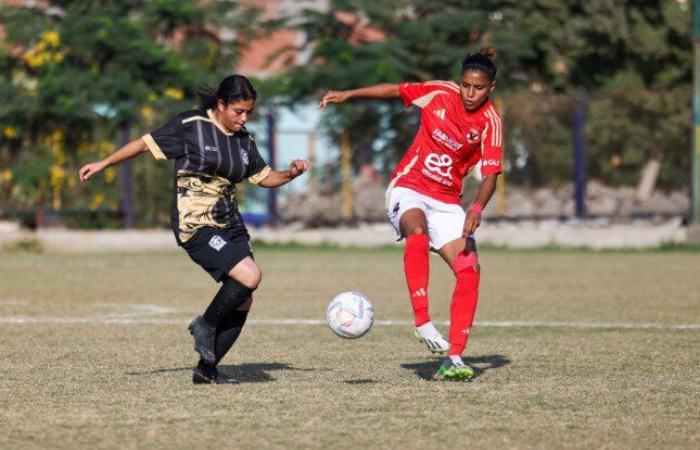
{"x": 227, "y": 333}
{"x": 416, "y": 266}
{"x": 464, "y": 300}
{"x": 230, "y": 297}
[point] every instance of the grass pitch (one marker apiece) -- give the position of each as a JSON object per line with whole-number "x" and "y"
{"x": 94, "y": 354}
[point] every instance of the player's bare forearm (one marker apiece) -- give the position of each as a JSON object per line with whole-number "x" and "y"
{"x": 486, "y": 189}
{"x": 384, "y": 90}
{"x": 128, "y": 151}
{"x": 278, "y": 178}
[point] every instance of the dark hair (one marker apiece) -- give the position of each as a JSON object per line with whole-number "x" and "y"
{"x": 481, "y": 60}
{"x": 233, "y": 88}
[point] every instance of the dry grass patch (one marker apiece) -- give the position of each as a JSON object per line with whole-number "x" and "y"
{"x": 97, "y": 385}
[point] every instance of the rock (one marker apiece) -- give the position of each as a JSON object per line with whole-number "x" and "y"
{"x": 659, "y": 203}
{"x": 518, "y": 204}
{"x": 547, "y": 203}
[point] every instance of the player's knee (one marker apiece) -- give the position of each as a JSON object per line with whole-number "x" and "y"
{"x": 417, "y": 230}
{"x": 253, "y": 278}
{"x": 466, "y": 263}
{"x": 249, "y": 275}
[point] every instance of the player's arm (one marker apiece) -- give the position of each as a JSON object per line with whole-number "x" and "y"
{"x": 276, "y": 178}
{"x": 384, "y": 90}
{"x": 484, "y": 194}
{"x": 128, "y": 151}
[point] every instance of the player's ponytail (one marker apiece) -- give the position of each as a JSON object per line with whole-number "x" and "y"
{"x": 481, "y": 60}
{"x": 233, "y": 88}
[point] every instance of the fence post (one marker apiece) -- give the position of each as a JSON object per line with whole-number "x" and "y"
{"x": 272, "y": 162}
{"x": 311, "y": 172}
{"x": 579, "y": 125}
{"x": 127, "y": 180}
{"x": 345, "y": 165}
{"x": 695, "y": 150}
{"x": 501, "y": 200}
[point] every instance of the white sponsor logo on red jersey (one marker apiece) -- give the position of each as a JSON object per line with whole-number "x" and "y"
{"x": 440, "y": 164}
{"x": 444, "y": 139}
{"x": 440, "y": 113}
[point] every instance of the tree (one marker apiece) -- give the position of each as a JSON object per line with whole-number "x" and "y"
{"x": 548, "y": 51}
{"x": 74, "y": 71}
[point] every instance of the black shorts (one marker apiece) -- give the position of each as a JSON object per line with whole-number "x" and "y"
{"x": 217, "y": 250}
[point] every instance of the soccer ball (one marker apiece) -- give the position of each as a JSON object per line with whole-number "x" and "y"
{"x": 350, "y": 315}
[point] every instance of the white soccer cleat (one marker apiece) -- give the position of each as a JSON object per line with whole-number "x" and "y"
{"x": 431, "y": 337}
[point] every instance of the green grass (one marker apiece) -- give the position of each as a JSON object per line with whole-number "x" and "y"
{"x": 98, "y": 385}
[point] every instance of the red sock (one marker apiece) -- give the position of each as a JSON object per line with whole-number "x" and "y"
{"x": 464, "y": 300}
{"x": 416, "y": 266}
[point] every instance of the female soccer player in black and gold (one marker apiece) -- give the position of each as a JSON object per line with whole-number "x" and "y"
{"x": 213, "y": 152}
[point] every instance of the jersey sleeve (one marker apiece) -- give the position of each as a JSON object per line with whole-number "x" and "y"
{"x": 420, "y": 94}
{"x": 258, "y": 169}
{"x": 168, "y": 141}
{"x": 492, "y": 143}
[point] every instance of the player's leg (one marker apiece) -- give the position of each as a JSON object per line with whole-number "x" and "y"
{"x": 228, "y": 331}
{"x": 236, "y": 289}
{"x": 406, "y": 211}
{"x": 225, "y": 315}
{"x": 462, "y": 257}
{"x": 416, "y": 262}
{"x": 227, "y": 256}
{"x": 226, "y": 335}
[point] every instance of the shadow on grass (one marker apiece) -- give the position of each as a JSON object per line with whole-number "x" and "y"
{"x": 360, "y": 381}
{"x": 257, "y": 372}
{"x": 426, "y": 369}
{"x": 245, "y": 373}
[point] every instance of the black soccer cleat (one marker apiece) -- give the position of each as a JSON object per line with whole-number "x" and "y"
{"x": 204, "y": 339}
{"x": 202, "y": 375}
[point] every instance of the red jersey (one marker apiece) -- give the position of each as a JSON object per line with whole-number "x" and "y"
{"x": 449, "y": 142}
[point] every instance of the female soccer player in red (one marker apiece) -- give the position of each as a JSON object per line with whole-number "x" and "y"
{"x": 459, "y": 127}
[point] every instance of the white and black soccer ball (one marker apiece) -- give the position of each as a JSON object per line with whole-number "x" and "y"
{"x": 350, "y": 315}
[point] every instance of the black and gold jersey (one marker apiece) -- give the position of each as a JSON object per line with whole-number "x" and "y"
{"x": 209, "y": 161}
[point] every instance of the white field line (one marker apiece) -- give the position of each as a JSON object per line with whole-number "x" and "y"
{"x": 95, "y": 320}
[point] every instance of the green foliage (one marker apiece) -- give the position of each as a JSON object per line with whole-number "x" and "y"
{"x": 632, "y": 58}
{"x": 72, "y": 75}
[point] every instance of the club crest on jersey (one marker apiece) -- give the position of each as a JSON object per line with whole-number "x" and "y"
{"x": 244, "y": 157}
{"x": 474, "y": 136}
{"x": 216, "y": 242}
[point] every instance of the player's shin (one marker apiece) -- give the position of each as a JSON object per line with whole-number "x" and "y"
{"x": 227, "y": 333}
{"x": 464, "y": 300}
{"x": 227, "y": 300}
{"x": 416, "y": 267}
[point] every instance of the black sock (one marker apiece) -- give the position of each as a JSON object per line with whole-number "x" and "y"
{"x": 206, "y": 368}
{"x": 230, "y": 297}
{"x": 227, "y": 333}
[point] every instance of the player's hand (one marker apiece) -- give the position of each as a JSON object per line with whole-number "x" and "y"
{"x": 471, "y": 223}
{"x": 298, "y": 167}
{"x": 89, "y": 170}
{"x": 333, "y": 97}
